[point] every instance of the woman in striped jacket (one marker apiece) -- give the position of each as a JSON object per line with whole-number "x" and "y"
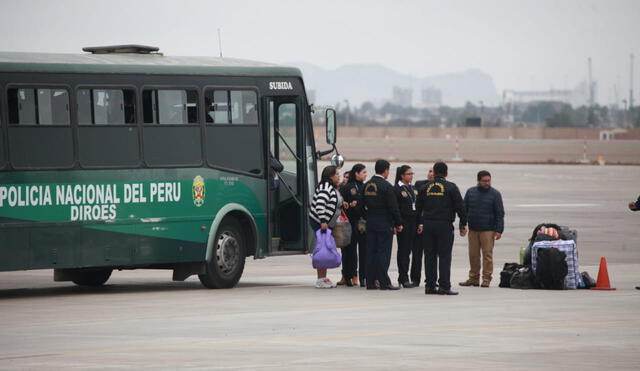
{"x": 324, "y": 212}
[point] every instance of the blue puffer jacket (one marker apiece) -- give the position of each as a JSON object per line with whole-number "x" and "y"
{"x": 485, "y": 211}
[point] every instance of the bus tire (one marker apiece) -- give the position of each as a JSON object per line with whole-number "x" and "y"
{"x": 227, "y": 259}
{"x": 94, "y": 277}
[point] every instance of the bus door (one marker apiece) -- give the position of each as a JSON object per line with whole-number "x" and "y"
{"x": 286, "y": 174}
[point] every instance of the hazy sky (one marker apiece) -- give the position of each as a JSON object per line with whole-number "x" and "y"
{"x": 522, "y": 44}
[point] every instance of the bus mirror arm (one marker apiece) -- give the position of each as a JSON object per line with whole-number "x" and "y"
{"x": 336, "y": 160}
{"x": 276, "y": 165}
{"x": 320, "y": 154}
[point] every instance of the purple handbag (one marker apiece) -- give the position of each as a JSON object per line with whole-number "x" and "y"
{"x": 325, "y": 253}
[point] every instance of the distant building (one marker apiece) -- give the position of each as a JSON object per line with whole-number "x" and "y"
{"x": 518, "y": 100}
{"x": 402, "y": 96}
{"x": 576, "y": 97}
{"x": 431, "y": 97}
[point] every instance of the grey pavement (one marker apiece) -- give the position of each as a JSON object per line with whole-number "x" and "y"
{"x": 276, "y": 320}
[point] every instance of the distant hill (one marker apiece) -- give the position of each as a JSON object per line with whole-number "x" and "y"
{"x": 370, "y": 82}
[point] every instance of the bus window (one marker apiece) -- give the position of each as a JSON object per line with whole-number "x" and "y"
{"x": 38, "y": 106}
{"x": 170, "y": 146}
{"x": 170, "y": 106}
{"x": 106, "y": 106}
{"x": 244, "y": 107}
{"x": 102, "y": 114}
{"x": 241, "y": 136}
{"x": 3, "y": 145}
{"x": 287, "y": 145}
{"x": 231, "y": 107}
{"x": 40, "y": 133}
{"x": 22, "y": 106}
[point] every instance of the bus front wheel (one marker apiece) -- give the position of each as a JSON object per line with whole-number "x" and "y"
{"x": 227, "y": 258}
{"x": 94, "y": 277}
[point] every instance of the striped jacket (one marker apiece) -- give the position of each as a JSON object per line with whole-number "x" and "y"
{"x": 324, "y": 204}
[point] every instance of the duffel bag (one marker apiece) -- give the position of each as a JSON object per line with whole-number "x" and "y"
{"x": 522, "y": 279}
{"x": 507, "y": 272}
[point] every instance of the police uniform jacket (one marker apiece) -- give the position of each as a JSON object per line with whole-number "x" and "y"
{"x": 420, "y": 184}
{"x": 407, "y": 196}
{"x": 440, "y": 200}
{"x": 354, "y": 191}
{"x": 380, "y": 200}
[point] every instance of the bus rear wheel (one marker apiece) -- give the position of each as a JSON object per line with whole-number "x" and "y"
{"x": 94, "y": 277}
{"x": 228, "y": 255}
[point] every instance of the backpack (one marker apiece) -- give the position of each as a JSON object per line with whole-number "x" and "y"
{"x": 507, "y": 272}
{"x": 551, "y": 269}
{"x": 522, "y": 279}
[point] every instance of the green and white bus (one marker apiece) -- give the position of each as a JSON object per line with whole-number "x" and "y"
{"x": 123, "y": 158}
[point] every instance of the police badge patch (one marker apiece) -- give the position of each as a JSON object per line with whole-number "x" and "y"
{"x": 198, "y": 191}
{"x": 415, "y": 192}
{"x": 404, "y": 194}
{"x": 354, "y": 191}
{"x": 362, "y": 225}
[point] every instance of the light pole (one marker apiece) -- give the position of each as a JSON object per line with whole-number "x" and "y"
{"x": 624, "y": 113}
{"x": 347, "y": 119}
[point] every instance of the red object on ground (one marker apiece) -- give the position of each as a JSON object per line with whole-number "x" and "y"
{"x": 603, "y": 277}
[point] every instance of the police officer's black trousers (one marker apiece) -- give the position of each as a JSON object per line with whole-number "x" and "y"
{"x": 405, "y": 245}
{"x": 379, "y": 242}
{"x": 438, "y": 243}
{"x": 416, "y": 259}
{"x": 362, "y": 256}
{"x": 350, "y": 254}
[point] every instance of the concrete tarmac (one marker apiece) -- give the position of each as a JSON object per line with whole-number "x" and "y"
{"x": 274, "y": 319}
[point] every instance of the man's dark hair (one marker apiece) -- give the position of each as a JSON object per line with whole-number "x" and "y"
{"x": 382, "y": 166}
{"x": 440, "y": 169}
{"x": 483, "y": 173}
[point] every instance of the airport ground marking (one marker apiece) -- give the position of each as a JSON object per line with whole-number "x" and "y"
{"x": 297, "y": 340}
{"x": 558, "y": 205}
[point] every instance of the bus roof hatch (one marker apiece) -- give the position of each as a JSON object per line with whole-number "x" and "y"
{"x": 122, "y": 49}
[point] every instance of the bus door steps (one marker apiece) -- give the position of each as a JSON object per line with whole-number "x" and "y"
{"x": 275, "y": 243}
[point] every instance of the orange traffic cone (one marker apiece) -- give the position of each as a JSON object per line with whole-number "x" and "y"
{"x": 603, "y": 277}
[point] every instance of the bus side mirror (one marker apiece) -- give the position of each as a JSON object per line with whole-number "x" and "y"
{"x": 330, "y": 120}
{"x": 337, "y": 160}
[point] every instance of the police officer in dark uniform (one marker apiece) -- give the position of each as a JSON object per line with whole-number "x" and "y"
{"x": 382, "y": 215}
{"x": 406, "y": 195}
{"x": 437, "y": 204}
{"x": 355, "y": 254}
{"x": 418, "y": 243}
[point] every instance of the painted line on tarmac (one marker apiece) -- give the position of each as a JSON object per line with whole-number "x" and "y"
{"x": 160, "y": 291}
{"x": 336, "y": 306}
{"x": 297, "y": 340}
{"x": 7, "y": 358}
{"x": 557, "y": 205}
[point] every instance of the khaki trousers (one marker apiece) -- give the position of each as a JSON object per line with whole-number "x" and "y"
{"x": 481, "y": 243}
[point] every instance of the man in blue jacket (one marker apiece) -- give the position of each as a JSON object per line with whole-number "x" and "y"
{"x": 485, "y": 214}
